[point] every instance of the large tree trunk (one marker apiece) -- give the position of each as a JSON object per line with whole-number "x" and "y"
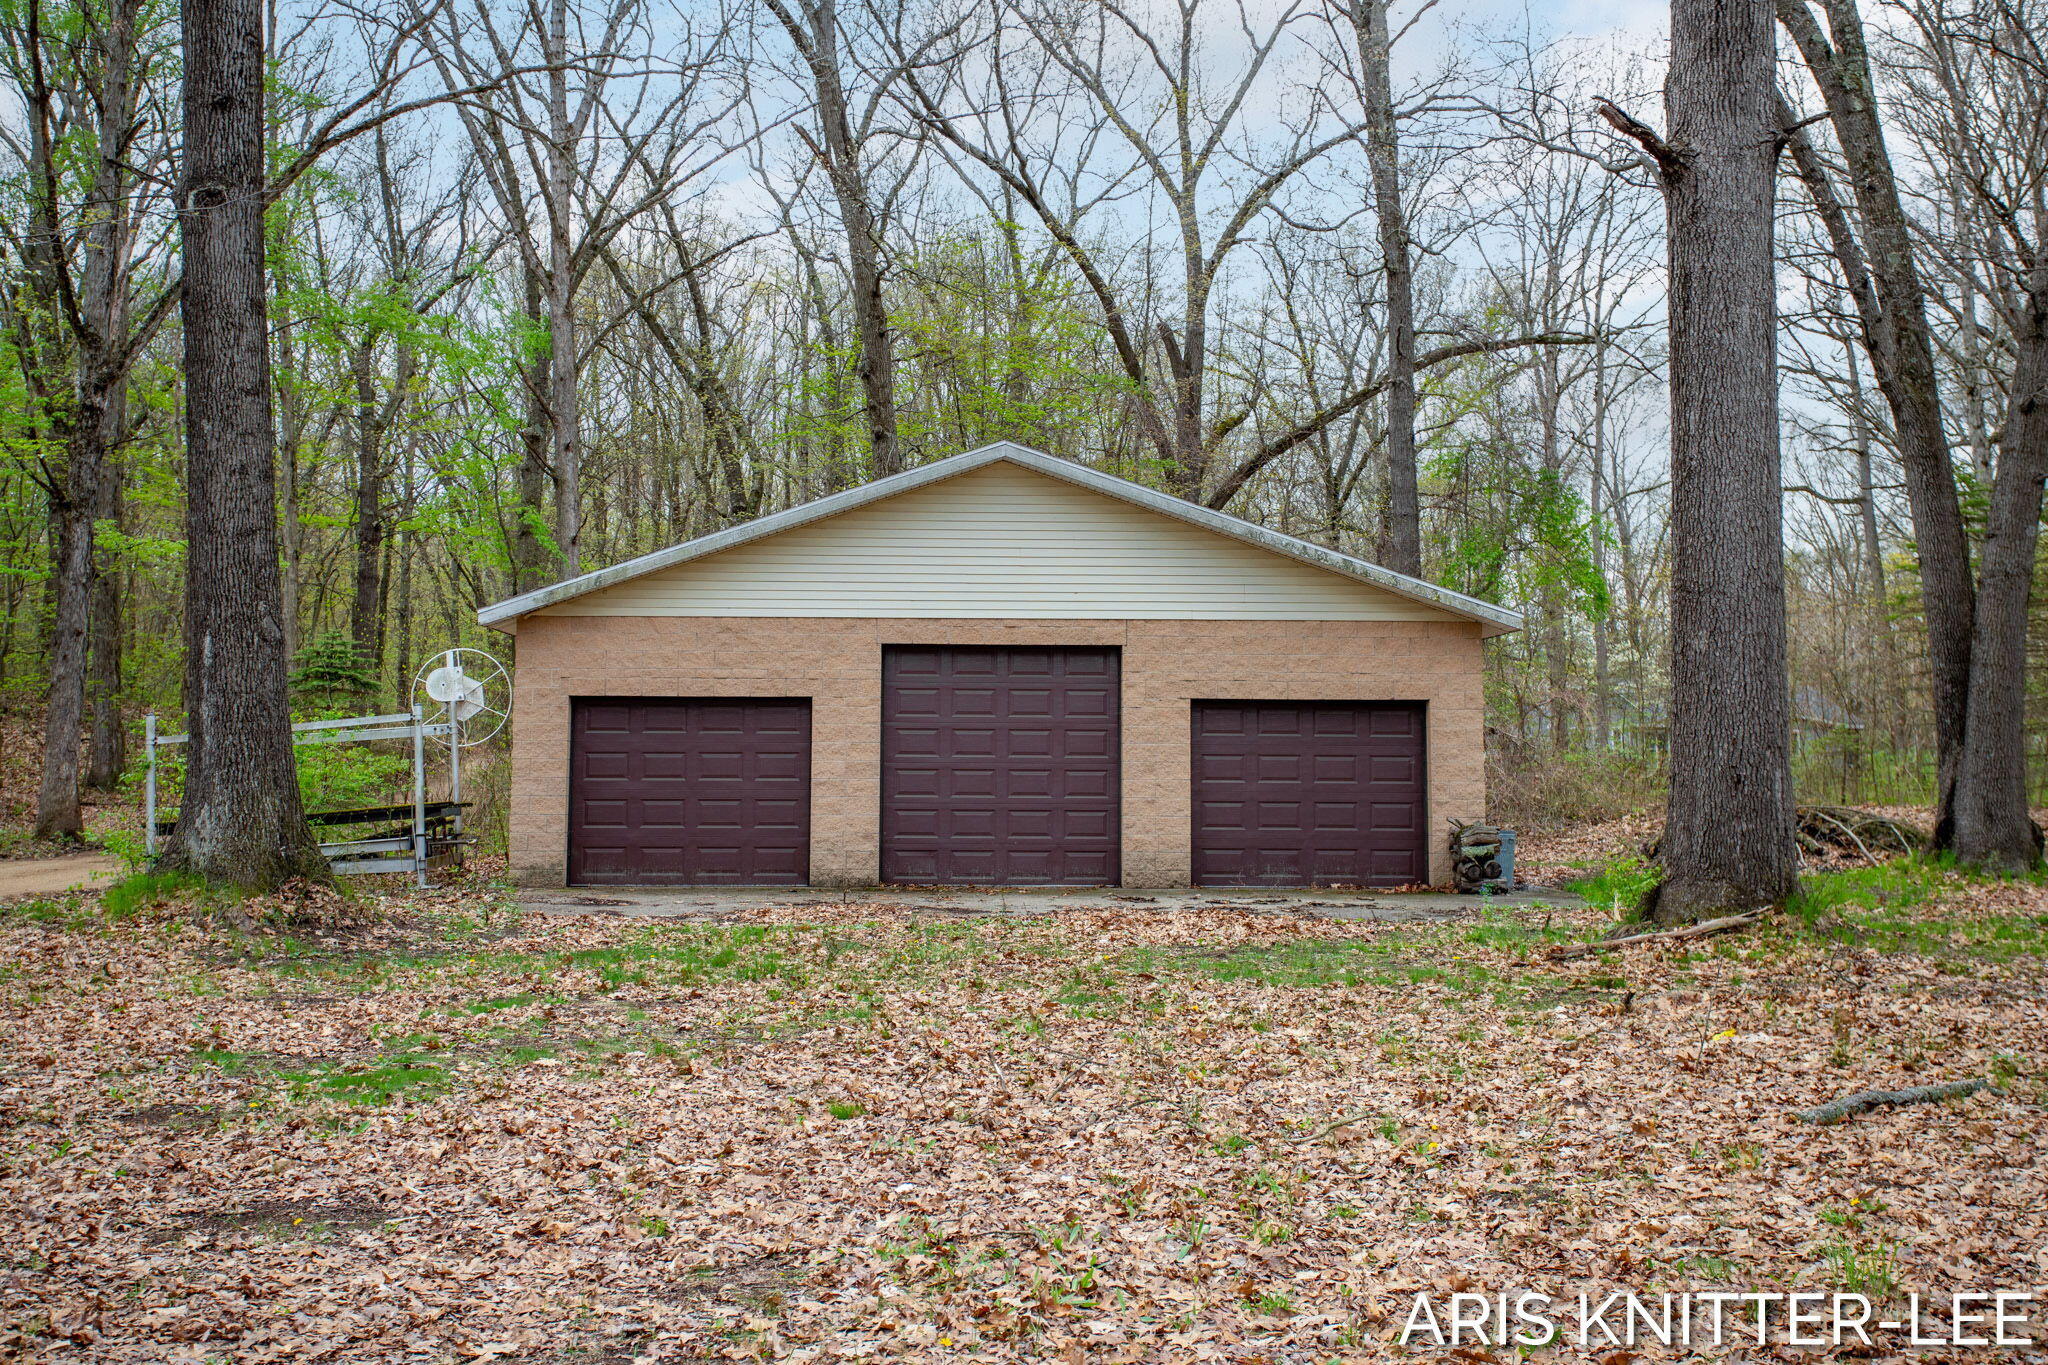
{"x": 241, "y": 822}
{"x": 369, "y": 506}
{"x": 1383, "y": 153}
{"x": 564, "y": 416}
{"x": 57, "y": 809}
{"x": 107, "y": 750}
{"x": 526, "y": 551}
{"x": 1728, "y": 841}
{"x": 1992, "y": 826}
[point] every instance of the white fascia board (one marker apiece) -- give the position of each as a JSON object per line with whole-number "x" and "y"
{"x": 1498, "y": 620}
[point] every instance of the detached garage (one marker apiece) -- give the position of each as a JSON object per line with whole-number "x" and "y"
{"x": 999, "y": 669}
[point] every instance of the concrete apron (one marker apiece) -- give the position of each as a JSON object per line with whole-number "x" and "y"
{"x": 972, "y": 902}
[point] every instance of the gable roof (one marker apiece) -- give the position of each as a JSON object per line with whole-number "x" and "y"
{"x": 1494, "y": 620}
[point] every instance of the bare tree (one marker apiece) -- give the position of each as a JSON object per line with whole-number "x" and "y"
{"x": 1383, "y": 154}
{"x": 1891, "y": 302}
{"x": 1985, "y": 67}
{"x": 841, "y": 145}
{"x": 1994, "y": 163}
{"x": 576, "y": 139}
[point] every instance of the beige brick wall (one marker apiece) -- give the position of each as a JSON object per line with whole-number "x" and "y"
{"x": 837, "y": 663}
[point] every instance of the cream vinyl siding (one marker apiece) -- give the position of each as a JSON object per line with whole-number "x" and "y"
{"x": 1000, "y": 540}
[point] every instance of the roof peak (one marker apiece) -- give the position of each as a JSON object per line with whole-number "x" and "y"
{"x": 1493, "y": 619}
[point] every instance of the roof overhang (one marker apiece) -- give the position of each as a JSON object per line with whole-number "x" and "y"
{"x": 1493, "y": 620}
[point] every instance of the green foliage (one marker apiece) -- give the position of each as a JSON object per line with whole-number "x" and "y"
{"x": 333, "y": 669}
{"x": 1617, "y": 888}
{"x": 346, "y": 776}
{"x": 1536, "y": 537}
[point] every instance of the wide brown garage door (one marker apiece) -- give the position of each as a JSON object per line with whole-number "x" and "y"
{"x": 1309, "y": 794}
{"x": 690, "y": 793}
{"x": 999, "y": 766}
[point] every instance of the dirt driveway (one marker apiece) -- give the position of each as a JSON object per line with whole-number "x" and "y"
{"x": 54, "y": 876}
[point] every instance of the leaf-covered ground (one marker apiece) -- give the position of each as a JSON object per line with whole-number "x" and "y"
{"x": 847, "y": 1134}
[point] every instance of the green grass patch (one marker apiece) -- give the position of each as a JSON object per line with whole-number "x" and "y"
{"x": 1515, "y": 929}
{"x": 373, "y": 1083}
{"x": 1618, "y": 888}
{"x": 1886, "y": 906}
{"x": 148, "y": 890}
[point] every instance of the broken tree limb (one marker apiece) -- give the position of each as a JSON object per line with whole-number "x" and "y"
{"x": 1334, "y": 1124}
{"x": 1700, "y": 930}
{"x": 1834, "y": 1111}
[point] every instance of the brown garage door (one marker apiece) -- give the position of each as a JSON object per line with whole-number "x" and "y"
{"x": 690, "y": 793}
{"x": 1309, "y": 794}
{"x": 999, "y": 766}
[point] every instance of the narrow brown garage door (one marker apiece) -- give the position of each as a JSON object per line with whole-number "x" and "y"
{"x": 1309, "y": 794}
{"x": 690, "y": 793}
{"x": 999, "y": 766}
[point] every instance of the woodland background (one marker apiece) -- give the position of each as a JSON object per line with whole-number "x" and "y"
{"x": 557, "y": 284}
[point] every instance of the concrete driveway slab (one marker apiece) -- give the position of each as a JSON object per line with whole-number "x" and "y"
{"x": 973, "y": 902}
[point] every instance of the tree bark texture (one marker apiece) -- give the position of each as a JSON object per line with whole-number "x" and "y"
{"x": 107, "y": 748}
{"x": 813, "y": 28}
{"x": 1383, "y": 152}
{"x": 1728, "y": 843}
{"x": 58, "y": 815}
{"x": 565, "y": 417}
{"x": 1992, "y": 828}
{"x": 97, "y": 320}
{"x": 240, "y": 822}
{"x": 363, "y": 617}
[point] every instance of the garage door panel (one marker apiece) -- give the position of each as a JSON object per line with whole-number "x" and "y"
{"x": 999, "y": 766}
{"x": 1390, "y": 722}
{"x": 1030, "y": 701}
{"x": 789, "y": 765}
{"x": 1336, "y": 815}
{"x": 968, "y": 742}
{"x": 1337, "y": 770}
{"x": 1308, "y": 793}
{"x": 690, "y": 792}
{"x": 1087, "y": 824}
{"x": 1098, "y": 744}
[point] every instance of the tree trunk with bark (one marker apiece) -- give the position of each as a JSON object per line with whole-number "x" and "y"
{"x": 369, "y": 503}
{"x": 1728, "y": 845}
{"x": 564, "y": 415}
{"x": 1383, "y": 153}
{"x": 241, "y": 822}
{"x": 1992, "y": 827}
{"x": 94, "y": 314}
{"x": 107, "y": 749}
{"x": 813, "y": 29}
{"x": 58, "y": 815}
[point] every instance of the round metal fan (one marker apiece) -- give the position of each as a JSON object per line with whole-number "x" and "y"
{"x": 473, "y": 689}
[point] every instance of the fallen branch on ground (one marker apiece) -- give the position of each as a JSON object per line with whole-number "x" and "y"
{"x": 1334, "y": 1124}
{"x": 1834, "y": 1111}
{"x": 1700, "y": 930}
